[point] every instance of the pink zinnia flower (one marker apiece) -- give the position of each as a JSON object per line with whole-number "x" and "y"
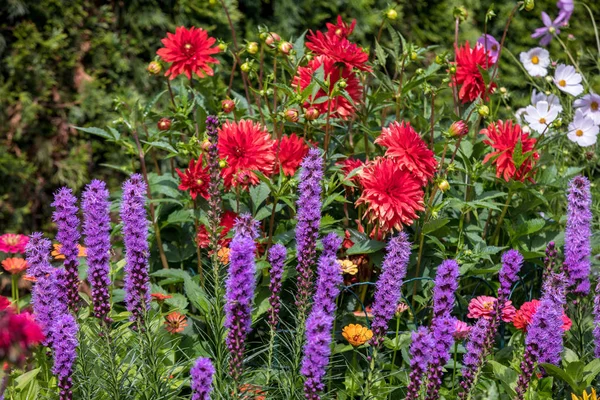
{"x": 483, "y": 306}
{"x": 13, "y": 243}
{"x": 461, "y": 330}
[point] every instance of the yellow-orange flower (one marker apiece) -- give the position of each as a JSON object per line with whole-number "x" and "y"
{"x": 160, "y": 297}
{"x": 348, "y": 267}
{"x": 175, "y": 322}
{"x": 252, "y": 392}
{"x": 357, "y": 335}
{"x": 14, "y": 265}
{"x": 586, "y": 396}
{"x": 223, "y": 255}
{"x": 60, "y": 256}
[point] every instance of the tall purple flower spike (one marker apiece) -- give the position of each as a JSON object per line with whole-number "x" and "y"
{"x": 578, "y": 247}
{"x": 475, "y": 354}
{"x": 239, "y": 291}
{"x": 214, "y": 193}
{"x": 202, "y": 375}
{"x": 421, "y": 350}
{"x": 277, "y": 255}
{"x": 387, "y": 289}
{"x": 446, "y": 283}
{"x": 67, "y": 222}
{"x": 135, "y": 236}
{"x": 307, "y": 229}
{"x": 96, "y": 227}
{"x": 64, "y": 347}
{"x": 329, "y": 277}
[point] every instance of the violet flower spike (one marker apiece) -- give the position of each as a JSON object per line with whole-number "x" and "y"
{"x": 446, "y": 283}
{"x": 214, "y": 193}
{"x": 135, "y": 236}
{"x": 67, "y": 222}
{"x": 475, "y": 354}
{"x": 387, "y": 289}
{"x": 202, "y": 376}
{"x": 277, "y": 255}
{"x": 329, "y": 277}
{"x": 317, "y": 351}
{"x": 64, "y": 347}
{"x": 548, "y": 31}
{"x": 420, "y": 356}
{"x": 578, "y": 247}
{"x": 443, "y": 338}
{"x": 307, "y": 228}
{"x": 37, "y": 253}
{"x": 96, "y": 227}
{"x": 239, "y": 290}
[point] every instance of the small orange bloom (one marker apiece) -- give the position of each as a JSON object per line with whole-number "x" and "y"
{"x": 249, "y": 389}
{"x": 357, "y": 335}
{"x": 29, "y": 278}
{"x": 60, "y": 256}
{"x": 223, "y": 255}
{"x": 175, "y": 322}
{"x": 159, "y": 297}
{"x": 14, "y": 265}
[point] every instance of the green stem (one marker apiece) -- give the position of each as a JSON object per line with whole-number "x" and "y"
{"x": 15, "y": 290}
{"x": 454, "y": 366}
{"x": 270, "y": 356}
{"x": 593, "y": 24}
{"x": 501, "y": 219}
{"x": 370, "y": 375}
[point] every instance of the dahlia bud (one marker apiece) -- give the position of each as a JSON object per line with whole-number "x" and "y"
{"x": 311, "y": 114}
{"x": 413, "y": 55}
{"x": 342, "y": 84}
{"x": 222, "y": 46}
{"x": 439, "y": 60}
{"x": 483, "y": 110}
{"x": 503, "y": 90}
{"x": 227, "y": 106}
{"x": 252, "y": 47}
{"x": 154, "y": 68}
{"x": 443, "y": 185}
{"x": 285, "y": 47}
{"x": 557, "y": 123}
{"x": 164, "y": 124}
{"x": 460, "y": 13}
{"x": 391, "y": 14}
{"x": 452, "y": 70}
{"x": 291, "y": 115}
{"x": 420, "y": 71}
{"x": 529, "y": 4}
{"x": 223, "y": 163}
{"x": 271, "y": 38}
{"x": 458, "y": 128}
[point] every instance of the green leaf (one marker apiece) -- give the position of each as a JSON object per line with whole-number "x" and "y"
{"x": 591, "y": 370}
{"x": 179, "y": 217}
{"x": 177, "y": 302}
{"x": 366, "y": 247}
{"x": 259, "y": 194}
{"x": 434, "y": 224}
{"x": 161, "y": 145}
{"x": 380, "y": 54}
{"x": 507, "y": 376}
{"x": 96, "y": 131}
{"x": 557, "y": 372}
{"x": 196, "y": 294}
{"x": 25, "y": 379}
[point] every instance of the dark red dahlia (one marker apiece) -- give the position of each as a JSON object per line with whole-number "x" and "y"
{"x": 195, "y": 179}
{"x": 292, "y": 150}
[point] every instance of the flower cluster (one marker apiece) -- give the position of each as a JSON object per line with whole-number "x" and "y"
{"x": 202, "y": 375}
{"x": 19, "y": 334}
{"x": 277, "y": 256}
{"x": 420, "y": 354}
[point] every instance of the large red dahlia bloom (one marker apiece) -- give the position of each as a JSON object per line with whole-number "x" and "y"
{"x": 341, "y": 28}
{"x": 339, "y": 49}
{"x": 405, "y": 146}
{"x": 195, "y": 179}
{"x": 246, "y": 146}
{"x": 292, "y": 150}
{"x": 338, "y": 106}
{"x": 504, "y": 137}
{"x": 393, "y": 195}
{"x": 524, "y": 316}
{"x": 189, "y": 50}
{"x": 226, "y": 224}
{"x": 468, "y": 76}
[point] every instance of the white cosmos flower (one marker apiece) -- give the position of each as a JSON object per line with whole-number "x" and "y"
{"x": 551, "y": 99}
{"x": 590, "y": 105}
{"x": 540, "y": 116}
{"x": 568, "y": 80}
{"x": 536, "y": 61}
{"x": 583, "y": 130}
{"x": 519, "y": 114}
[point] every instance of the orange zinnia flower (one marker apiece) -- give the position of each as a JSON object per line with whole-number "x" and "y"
{"x": 14, "y": 265}
{"x": 357, "y": 335}
{"x": 56, "y": 253}
{"x": 248, "y": 390}
{"x": 175, "y": 322}
{"x": 160, "y": 297}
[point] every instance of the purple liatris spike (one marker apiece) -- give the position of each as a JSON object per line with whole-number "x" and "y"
{"x": 597, "y": 321}
{"x": 443, "y": 329}
{"x": 135, "y": 236}
{"x": 420, "y": 356}
{"x": 387, "y": 289}
{"x": 578, "y": 247}
{"x": 317, "y": 351}
{"x": 214, "y": 187}
{"x": 277, "y": 255}
{"x": 64, "y": 347}
{"x": 239, "y": 290}
{"x": 544, "y": 341}
{"x": 512, "y": 261}
{"x": 96, "y": 227}
{"x": 37, "y": 252}
{"x": 329, "y": 277}
{"x": 202, "y": 375}
{"x": 446, "y": 283}
{"x": 475, "y": 354}
{"x": 307, "y": 228}
{"x": 67, "y": 222}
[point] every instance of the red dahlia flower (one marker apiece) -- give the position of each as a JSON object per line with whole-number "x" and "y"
{"x": 468, "y": 76}
{"x": 189, "y": 50}
{"x": 504, "y": 137}
{"x": 247, "y": 147}
{"x": 339, "y": 49}
{"x": 393, "y": 194}
{"x": 339, "y": 106}
{"x": 405, "y": 146}
{"x": 18, "y": 334}
{"x": 292, "y": 150}
{"x": 524, "y": 316}
{"x": 195, "y": 179}
{"x": 349, "y": 165}
{"x": 340, "y": 29}
{"x": 226, "y": 224}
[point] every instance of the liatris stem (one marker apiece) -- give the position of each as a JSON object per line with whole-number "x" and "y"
{"x": 420, "y": 355}
{"x": 214, "y": 200}
{"x": 277, "y": 255}
{"x": 96, "y": 227}
{"x": 387, "y": 289}
{"x": 239, "y": 294}
{"x": 64, "y": 347}
{"x": 67, "y": 222}
{"x": 202, "y": 375}
{"x": 135, "y": 236}
{"x": 307, "y": 229}
{"x": 578, "y": 248}
{"x": 550, "y": 260}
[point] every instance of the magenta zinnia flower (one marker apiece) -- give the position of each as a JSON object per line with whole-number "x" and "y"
{"x": 13, "y": 243}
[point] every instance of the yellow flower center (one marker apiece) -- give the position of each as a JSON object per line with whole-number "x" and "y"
{"x": 542, "y": 120}
{"x": 579, "y": 132}
{"x": 535, "y": 60}
{"x": 187, "y": 46}
{"x": 562, "y": 83}
{"x": 594, "y": 106}
{"x": 199, "y": 182}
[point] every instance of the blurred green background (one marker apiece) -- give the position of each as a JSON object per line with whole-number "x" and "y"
{"x": 62, "y": 64}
